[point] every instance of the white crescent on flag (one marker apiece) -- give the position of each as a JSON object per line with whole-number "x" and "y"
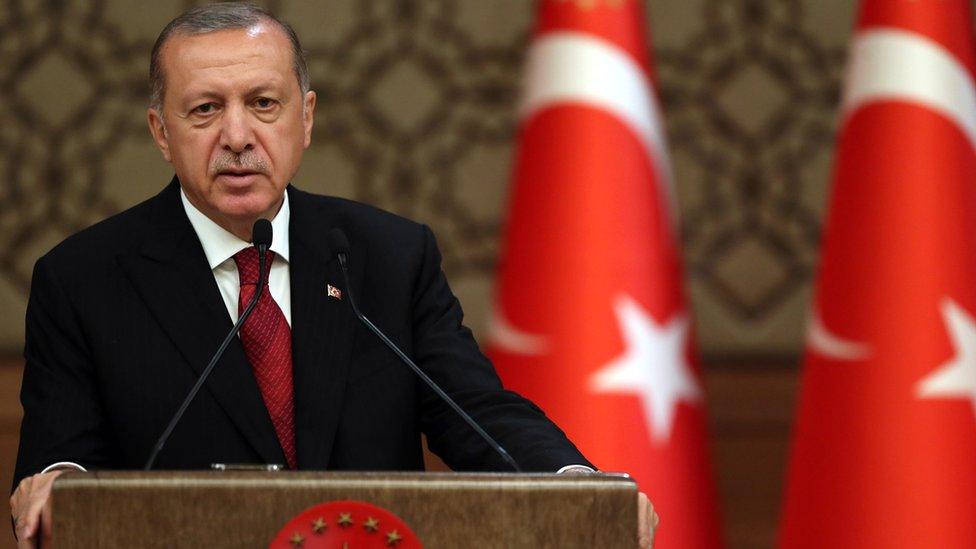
{"x": 505, "y": 336}
{"x": 830, "y": 345}
{"x": 890, "y": 64}
{"x": 573, "y": 67}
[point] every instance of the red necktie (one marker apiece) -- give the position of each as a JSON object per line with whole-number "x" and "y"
{"x": 267, "y": 341}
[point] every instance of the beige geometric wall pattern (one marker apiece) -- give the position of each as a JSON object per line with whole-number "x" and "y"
{"x": 750, "y": 93}
{"x": 416, "y": 114}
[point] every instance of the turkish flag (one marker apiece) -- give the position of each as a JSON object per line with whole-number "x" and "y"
{"x": 885, "y": 441}
{"x": 590, "y": 316}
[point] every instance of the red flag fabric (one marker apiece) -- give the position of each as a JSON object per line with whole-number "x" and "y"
{"x": 885, "y": 441}
{"x": 590, "y": 316}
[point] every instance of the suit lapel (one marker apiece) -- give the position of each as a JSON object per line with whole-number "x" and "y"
{"x": 322, "y": 329}
{"x": 173, "y": 277}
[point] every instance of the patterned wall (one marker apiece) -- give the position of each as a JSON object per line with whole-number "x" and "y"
{"x": 416, "y": 115}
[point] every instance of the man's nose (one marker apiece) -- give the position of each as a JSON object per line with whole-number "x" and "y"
{"x": 237, "y": 135}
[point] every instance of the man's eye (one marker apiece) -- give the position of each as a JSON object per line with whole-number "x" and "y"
{"x": 264, "y": 103}
{"x": 206, "y": 108}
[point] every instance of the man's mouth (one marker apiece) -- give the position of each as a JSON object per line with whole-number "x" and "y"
{"x": 238, "y": 173}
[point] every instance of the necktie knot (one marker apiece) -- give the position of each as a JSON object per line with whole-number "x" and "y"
{"x": 247, "y": 265}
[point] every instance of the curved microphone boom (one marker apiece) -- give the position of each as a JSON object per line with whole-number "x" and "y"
{"x": 340, "y": 245}
{"x": 261, "y": 235}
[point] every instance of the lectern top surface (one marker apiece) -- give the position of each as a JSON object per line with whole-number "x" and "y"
{"x": 618, "y": 481}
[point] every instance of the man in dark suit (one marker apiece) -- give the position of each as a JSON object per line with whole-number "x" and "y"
{"x": 124, "y": 315}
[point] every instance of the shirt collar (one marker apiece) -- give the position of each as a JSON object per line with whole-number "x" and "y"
{"x": 220, "y": 245}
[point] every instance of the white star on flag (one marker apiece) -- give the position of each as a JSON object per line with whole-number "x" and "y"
{"x": 956, "y": 378}
{"x": 654, "y": 366}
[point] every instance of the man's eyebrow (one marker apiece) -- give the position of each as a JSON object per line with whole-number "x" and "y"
{"x": 197, "y": 96}
{"x": 260, "y": 89}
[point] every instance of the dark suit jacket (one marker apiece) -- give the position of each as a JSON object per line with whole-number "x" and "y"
{"x": 124, "y": 315}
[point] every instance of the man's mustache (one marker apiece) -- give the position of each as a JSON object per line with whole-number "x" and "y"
{"x": 243, "y": 162}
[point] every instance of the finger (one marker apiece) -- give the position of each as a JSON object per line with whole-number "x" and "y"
{"x": 655, "y": 520}
{"x": 643, "y": 518}
{"x": 25, "y": 526}
{"x": 23, "y": 533}
{"x": 643, "y": 524}
{"x": 30, "y": 519}
{"x": 20, "y": 496}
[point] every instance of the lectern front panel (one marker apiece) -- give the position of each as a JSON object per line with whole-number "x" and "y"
{"x": 246, "y": 509}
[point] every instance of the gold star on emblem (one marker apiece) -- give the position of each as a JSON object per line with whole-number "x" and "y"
{"x": 371, "y": 524}
{"x": 297, "y": 540}
{"x": 345, "y": 520}
{"x": 393, "y": 538}
{"x": 318, "y": 525}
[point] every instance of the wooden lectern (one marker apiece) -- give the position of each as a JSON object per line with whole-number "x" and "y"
{"x": 247, "y": 509}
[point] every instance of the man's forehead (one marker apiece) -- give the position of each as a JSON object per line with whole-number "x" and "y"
{"x": 225, "y": 42}
{"x": 228, "y": 53}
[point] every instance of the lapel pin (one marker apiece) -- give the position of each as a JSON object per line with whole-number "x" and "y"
{"x": 334, "y": 292}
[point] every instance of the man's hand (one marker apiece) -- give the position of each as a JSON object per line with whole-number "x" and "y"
{"x": 30, "y": 507}
{"x": 647, "y": 521}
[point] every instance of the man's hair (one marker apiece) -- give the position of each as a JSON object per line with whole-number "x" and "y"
{"x": 217, "y": 17}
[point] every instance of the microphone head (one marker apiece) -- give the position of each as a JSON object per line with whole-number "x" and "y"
{"x": 261, "y": 233}
{"x": 338, "y": 241}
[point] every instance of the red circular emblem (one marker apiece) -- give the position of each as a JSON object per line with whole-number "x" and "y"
{"x": 345, "y": 525}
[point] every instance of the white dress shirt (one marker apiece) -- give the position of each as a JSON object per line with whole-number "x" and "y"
{"x": 220, "y": 246}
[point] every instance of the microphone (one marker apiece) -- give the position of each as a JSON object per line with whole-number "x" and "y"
{"x": 340, "y": 245}
{"x": 261, "y": 235}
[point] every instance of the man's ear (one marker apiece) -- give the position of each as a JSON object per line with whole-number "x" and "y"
{"x": 158, "y": 131}
{"x": 308, "y": 115}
